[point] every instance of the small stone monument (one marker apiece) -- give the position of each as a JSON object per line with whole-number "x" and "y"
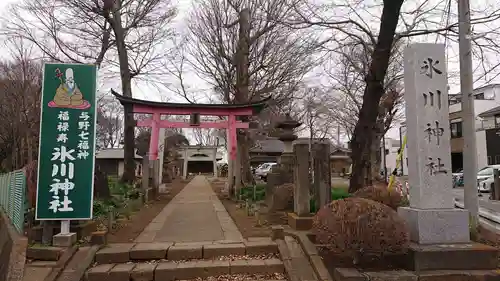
{"x": 301, "y": 218}
{"x": 322, "y": 172}
{"x": 432, "y": 219}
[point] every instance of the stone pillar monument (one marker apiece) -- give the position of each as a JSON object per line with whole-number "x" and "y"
{"x": 215, "y": 163}
{"x": 301, "y": 218}
{"x": 439, "y": 232}
{"x": 431, "y": 217}
{"x": 185, "y": 164}
{"x": 322, "y": 173}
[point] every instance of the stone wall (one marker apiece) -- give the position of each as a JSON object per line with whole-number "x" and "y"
{"x": 12, "y": 251}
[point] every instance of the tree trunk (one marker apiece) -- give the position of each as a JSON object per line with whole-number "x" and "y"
{"x": 242, "y": 94}
{"x": 244, "y": 149}
{"x": 129, "y": 123}
{"x": 376, "y": 157}
{"x": 367, "y": 121}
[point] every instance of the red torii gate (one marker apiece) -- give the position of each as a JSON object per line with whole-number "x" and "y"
{"x": 157, "y": 109}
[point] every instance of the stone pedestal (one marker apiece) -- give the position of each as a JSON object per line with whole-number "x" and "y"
{"x": 469, "y": 256}
{"x": 322, "y": 173}
{"x": 301, "y": 223}
{"x": 436, "y": 226}
{"x": 301, "y": 206}
{"x": 64, "y": 240}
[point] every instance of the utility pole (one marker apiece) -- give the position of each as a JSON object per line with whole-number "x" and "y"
{"x": 385, "y": 158}
{"x": 468, "y": 117}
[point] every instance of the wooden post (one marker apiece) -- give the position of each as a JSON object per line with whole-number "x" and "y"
{"x": 145, "y": 176}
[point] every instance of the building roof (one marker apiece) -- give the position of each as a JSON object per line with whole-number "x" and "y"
{"x": 113, "y": 153}
{"x": 489, "y": 113}
{"x": 277, "y": 146}
{"x": 476, "y": 90}
{"x": 257, "y": 106}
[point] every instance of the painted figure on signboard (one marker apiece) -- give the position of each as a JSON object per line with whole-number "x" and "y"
{"x": 68, "y": 95}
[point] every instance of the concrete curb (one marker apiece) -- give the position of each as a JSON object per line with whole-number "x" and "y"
{"x": 312, "y": 254}
{"x": 123, "y": 253}
{"x": 169, "y": 270}
{"x": 486, "y": 217}
{"x": 61, "y": 263}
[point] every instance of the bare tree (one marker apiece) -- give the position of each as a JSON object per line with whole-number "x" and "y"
{"x": 240, "y": 50}
{"x": 125, "y": 35}
{"x": 351, "y": 65}
{"x": 109, "y": 131}
{"x": 20, "y": 88}
{"x": 315, "y": 113}
{"x": 205, "y": 136}
{"x": 353, "y": 20}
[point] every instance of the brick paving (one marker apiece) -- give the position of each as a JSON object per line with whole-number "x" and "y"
{"x": 194, "y": 215}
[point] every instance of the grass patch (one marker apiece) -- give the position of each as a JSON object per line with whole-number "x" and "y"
{"x": 336, "y": 194}
{"x": 125, "y": 199}
{"x": 258, "y": 193}
{"x": 253, "y": 193}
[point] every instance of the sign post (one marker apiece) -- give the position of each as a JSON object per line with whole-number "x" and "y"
{"x": 67, "y": 146}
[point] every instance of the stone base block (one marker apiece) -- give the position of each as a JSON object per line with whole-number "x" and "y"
{"x": 44, "y": 253}
{"x": 64, "y": 240}
{"x": 277, "y": 232}
{"x": 98, "y": 238}
{"x": 82, "y": 230}
{"x": 436, "y": 226}
{"x": 299, "y": 222}
{"x": 468, "y": 256}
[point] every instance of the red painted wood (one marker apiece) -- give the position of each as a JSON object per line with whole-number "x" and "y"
{"x": 170, "y": 124}
{"x": 187, "y": 111}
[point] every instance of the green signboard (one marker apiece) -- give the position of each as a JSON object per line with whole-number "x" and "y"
{"x": 67, "y": 142}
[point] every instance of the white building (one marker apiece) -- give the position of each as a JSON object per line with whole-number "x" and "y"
{"x": 487, "y": 98}
{"x": 391, "y": 154}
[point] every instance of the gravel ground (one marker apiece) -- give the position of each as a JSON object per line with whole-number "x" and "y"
{"x": 239, "y": 277}
{"x": 223, "y": 258}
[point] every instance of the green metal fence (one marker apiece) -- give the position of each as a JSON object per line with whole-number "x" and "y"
{"x": 12, "y": 197}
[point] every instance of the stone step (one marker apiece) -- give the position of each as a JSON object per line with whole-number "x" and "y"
{"x": 44, "y": 253}
{"x": 240, "y": 277}
{"x": 172, "y": 270}
{"x": 123, "y": 253}
{"x": 37, "y": 263}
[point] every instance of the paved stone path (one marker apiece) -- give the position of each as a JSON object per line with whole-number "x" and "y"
{"x": 194, "y": 215}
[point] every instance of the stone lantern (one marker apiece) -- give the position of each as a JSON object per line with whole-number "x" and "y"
{"x": 282, "y": 173}
{"x": 287, "y": 135}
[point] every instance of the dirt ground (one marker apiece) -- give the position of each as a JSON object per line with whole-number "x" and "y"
{"x": 129, "y": 230}
{"x": 248, "y": 225}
